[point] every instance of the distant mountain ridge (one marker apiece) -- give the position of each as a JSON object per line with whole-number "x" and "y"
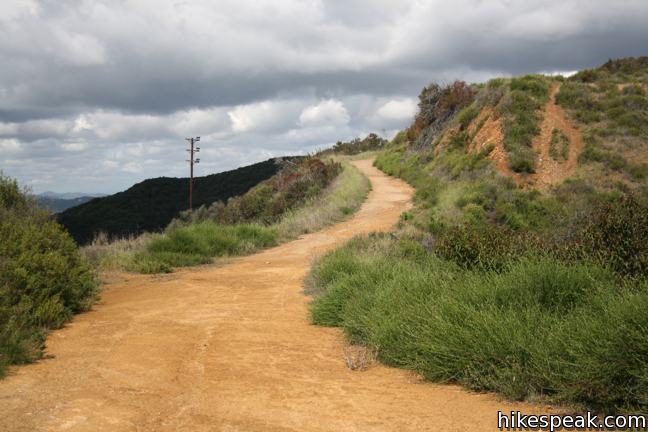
{"x": 56, "y": 205}
{"x": 69, "y": 195}
{"x": 150, "y": 205}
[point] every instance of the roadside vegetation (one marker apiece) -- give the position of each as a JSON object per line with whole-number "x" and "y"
{"x": 303, "y": 197}
{"x": 43, "y": 279}
{"x": 537, "y": 295}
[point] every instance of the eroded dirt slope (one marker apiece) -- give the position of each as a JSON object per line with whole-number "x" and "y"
{"x": 230, "y": 348}
{"x": 550, "y": 170}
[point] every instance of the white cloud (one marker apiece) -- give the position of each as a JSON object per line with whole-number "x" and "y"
{"x": 132, "y": 167}
{"x": 265, "y": 116}
{"x": 110, "y": 164}
{"x": 141, "y": 149}
{"x": 7, "y": 129}
{"x": 80, "y": 49}
{"x": 328, "y": 112}
{"x": 114, "y": 125}
{"x": 398, "y": 109}
{"x": 74, "y": 146}
{"x": 10, "y": 145}
{"x": 199, "y": 122}
{"x": 250, "y": 117}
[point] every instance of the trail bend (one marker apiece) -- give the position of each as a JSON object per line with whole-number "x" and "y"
{"x": 230, "y": 348}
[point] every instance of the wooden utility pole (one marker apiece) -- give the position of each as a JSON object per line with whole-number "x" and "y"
{"x": 192, "y": 161}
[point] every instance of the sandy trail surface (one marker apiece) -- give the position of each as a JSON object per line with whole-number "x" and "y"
{"x": 230, "y": 348}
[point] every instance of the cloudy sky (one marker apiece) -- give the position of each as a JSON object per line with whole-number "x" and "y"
{"x": 97, "y": 95}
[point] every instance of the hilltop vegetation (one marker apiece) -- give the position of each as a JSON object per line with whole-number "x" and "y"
{"x": 611, "y": 105}
{"x": 356, "y": 146}
{"x": 523, "y": 267}
{"x": 43, "y": 280}
{"x": 150, "y": 206}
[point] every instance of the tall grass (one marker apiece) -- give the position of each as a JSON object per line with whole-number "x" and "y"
{"x": 198, "y": 244}
{"x": 540, "y": 328}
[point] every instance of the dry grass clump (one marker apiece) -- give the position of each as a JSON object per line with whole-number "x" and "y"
{"x": 359, "y": 357}
{"x": 105, "y": 254}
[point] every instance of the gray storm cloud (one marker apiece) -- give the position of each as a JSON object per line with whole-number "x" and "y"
{"x": 95, "y": 95}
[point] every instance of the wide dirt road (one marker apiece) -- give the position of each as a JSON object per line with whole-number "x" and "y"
{"x": 230, "y": 348}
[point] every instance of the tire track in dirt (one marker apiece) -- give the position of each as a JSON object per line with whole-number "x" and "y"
{"x": 230, "y": 348}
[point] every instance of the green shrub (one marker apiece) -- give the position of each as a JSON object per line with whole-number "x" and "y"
{"x": 579, "y": 99}
{"x": 370, "y": 143}
{"x": 467, "y": 115}
{"x": 481, "y": 246}
{"x": 533, "y": 85}
{"x": 495, "y": 83}
{"x": 43, "y": 280}
{"x": 587, "y": 76}
{"x": 438, "y": 105}
{"x": 615, "y": 233}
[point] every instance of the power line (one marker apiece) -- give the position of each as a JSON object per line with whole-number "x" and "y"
{"x": 192, "y": 161}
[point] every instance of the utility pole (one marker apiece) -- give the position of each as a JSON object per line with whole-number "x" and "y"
{"x": 192, "y": 161}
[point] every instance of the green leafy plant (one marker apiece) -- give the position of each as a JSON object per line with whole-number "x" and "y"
{"x": 43, "y": 280}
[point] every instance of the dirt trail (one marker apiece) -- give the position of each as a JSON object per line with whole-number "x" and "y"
{"x": 548, "y": 170}
{"x": 229, "y": 348}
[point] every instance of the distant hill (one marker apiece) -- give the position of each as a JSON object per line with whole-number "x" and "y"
{"x": 69, "y": 195}
{"x": 153, "y": 203}
{"x": 56, "y": 203}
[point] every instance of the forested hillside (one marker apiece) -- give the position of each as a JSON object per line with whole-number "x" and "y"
{"x": 153, "y": 203}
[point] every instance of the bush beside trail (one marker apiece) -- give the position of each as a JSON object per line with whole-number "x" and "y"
{"x": 43, "y": 280}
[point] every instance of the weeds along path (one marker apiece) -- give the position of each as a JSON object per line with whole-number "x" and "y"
{"x": 230, "y": 348}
